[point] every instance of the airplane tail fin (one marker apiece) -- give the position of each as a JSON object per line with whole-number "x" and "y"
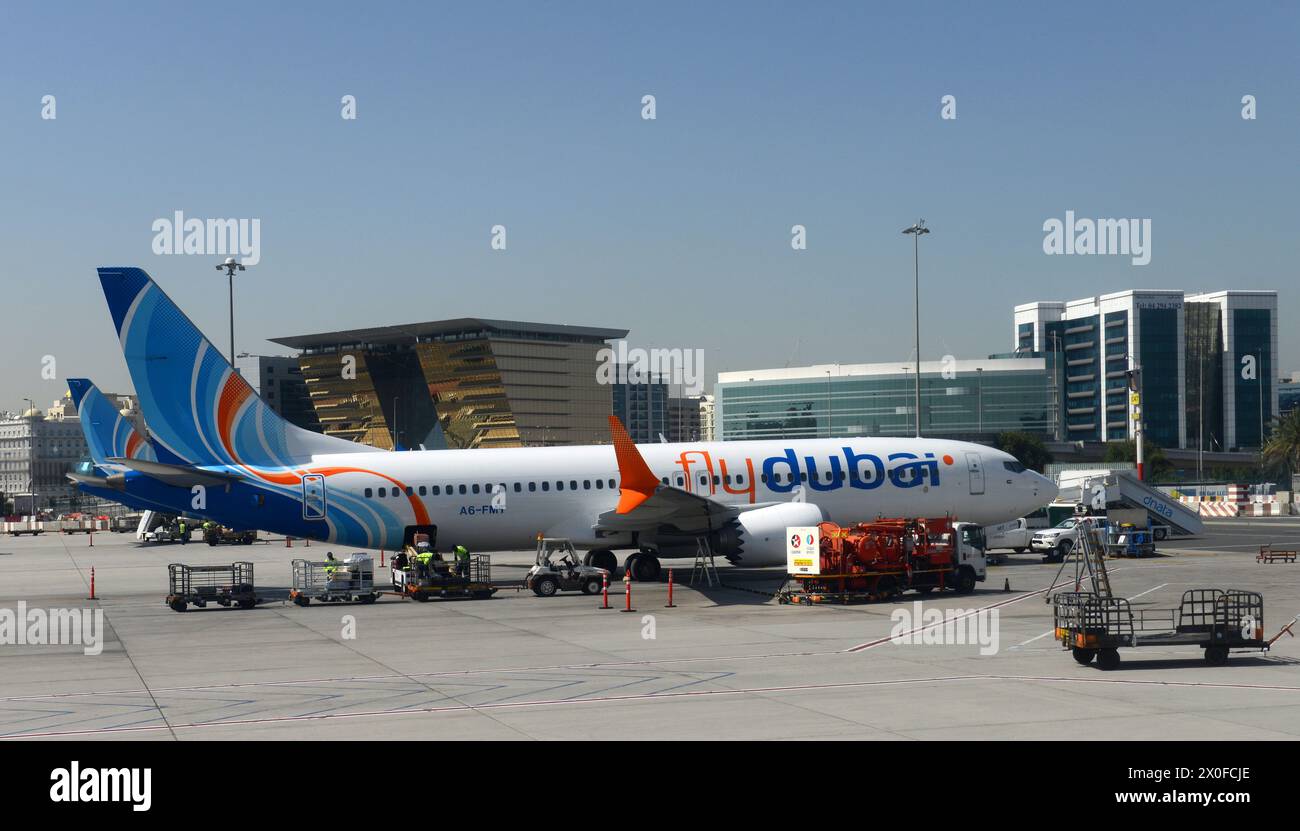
{"x": 109, "y": 434}
{"x": 200, "y": 411}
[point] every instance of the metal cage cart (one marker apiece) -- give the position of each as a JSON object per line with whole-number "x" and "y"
{"x": 350, "y": 580}
{"x": 230, "y": 585}
{"x": 441, "y": 580}
{"x": 1217, "y": 620}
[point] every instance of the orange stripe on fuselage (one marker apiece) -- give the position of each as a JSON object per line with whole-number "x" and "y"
{"x": 421, "y": 515}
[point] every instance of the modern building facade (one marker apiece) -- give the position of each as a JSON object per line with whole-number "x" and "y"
{"x": 278, "y": 380}
{"x": 966, "y": 399}
{"x": 1190, "y": 350}
{"x": 640, "y": 400}
{"x": 469, "y": 382}
{"x": 684, "y": 419}
{"x": 1240, "y": 331}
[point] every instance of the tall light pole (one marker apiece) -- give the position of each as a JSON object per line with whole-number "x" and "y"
{"x": 231, "y": 265}
{"x": 916, "y": 231}
{"x": 1137, "y": 401}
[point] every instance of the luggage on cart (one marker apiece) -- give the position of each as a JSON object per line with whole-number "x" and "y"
{"x": 334, "y": 581}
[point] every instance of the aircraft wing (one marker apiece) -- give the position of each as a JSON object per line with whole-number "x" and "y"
{"x": 645, "y": 503}
{"x": 670, "y": 506}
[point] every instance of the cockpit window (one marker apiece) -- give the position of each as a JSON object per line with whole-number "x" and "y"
{"x": 1014, "y": 467}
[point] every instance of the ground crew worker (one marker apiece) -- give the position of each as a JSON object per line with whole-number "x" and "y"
{"x": 423, "y": 557}
{"x": 462, "y": 561}
{"x": 331, "y": 565}
{"x": 185, "y": 535}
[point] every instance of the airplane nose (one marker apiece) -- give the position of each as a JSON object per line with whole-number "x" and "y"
{"x": 1046, "y": 488}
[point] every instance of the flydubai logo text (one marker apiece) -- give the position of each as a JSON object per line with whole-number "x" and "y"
{"x": 77, "y": 784}
{"x": 1125, "y": 237}
{"x": 209, "y": 237}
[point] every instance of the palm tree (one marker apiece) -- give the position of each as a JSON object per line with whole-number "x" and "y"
{"x": 1282, "y": 450}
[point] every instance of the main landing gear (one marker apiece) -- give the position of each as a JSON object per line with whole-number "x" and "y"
{"x": 602, "y": 558}
{"x": 643, "y": 565}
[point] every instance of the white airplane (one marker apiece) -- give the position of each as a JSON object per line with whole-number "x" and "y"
{"x": 225, "y": 454}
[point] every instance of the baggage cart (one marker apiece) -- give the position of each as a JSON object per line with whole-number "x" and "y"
{"x": 230, "y": 585}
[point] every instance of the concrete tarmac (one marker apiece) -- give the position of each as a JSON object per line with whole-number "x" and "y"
{"x": 728, "y": 662}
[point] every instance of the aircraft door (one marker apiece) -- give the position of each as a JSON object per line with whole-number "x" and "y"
{"x": 975, "y": 472}
{"x": 313, "y": 496}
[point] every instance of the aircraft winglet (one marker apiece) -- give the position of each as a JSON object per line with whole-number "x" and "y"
{"x": 637, "y": 481}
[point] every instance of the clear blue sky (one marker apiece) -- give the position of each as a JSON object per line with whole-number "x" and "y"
{"x": 528, "y": 115}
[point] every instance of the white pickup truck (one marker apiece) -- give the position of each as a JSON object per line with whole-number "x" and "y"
{"x": 1055, "y": 543}
{"x": 1015, "y": 535}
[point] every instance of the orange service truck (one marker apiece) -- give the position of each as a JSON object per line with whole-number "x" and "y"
{"x": 881, "y": 559}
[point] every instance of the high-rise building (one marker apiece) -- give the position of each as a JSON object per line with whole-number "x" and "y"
{"x": 469, "y": 382}
{"x": 1205, "y": 359}
{"x": 640, "y": 400}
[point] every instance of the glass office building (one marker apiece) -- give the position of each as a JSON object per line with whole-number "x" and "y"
{"x": 640, "y": 400}
{"x": 461, "y": 383}
{"x": 1197, "y": 383}
{"x": 970, "y": 400}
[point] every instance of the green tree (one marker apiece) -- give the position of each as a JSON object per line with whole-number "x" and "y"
{"x": 1156, "y": 464}
{"x": 1282, "y": 450}
{"x": 1028, "y": 449}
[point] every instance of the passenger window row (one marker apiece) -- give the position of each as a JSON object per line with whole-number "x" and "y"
{"x": 489, "y": 488}
{"x": 547, "y": 486}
